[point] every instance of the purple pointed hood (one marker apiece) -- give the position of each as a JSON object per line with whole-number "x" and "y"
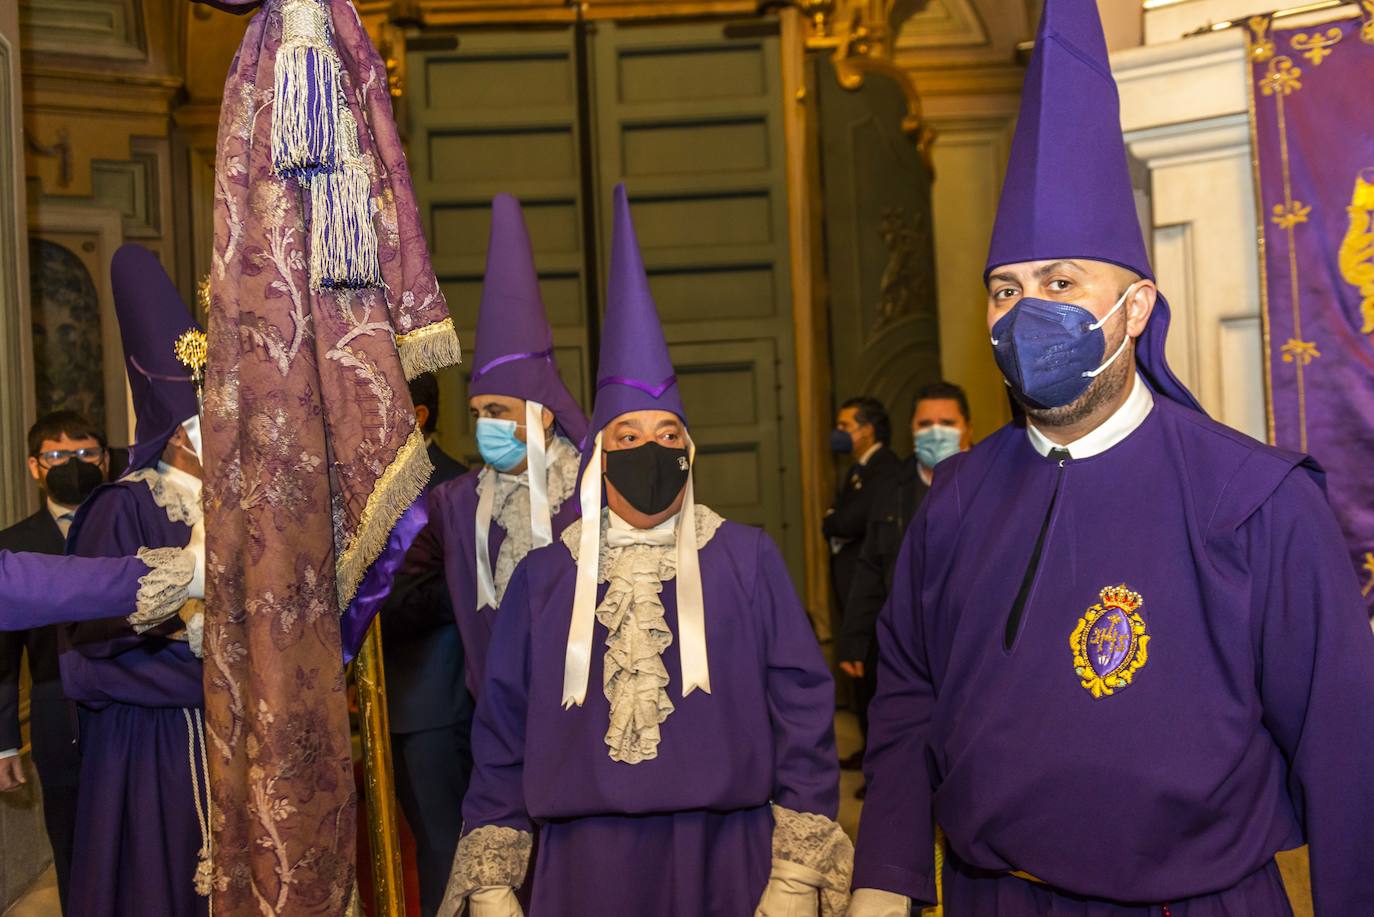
{"x": 514, "y": 350}
{"x": 1068, "y": 190}
{"x": 634, "y": 372}
{"x": 152, "y": 315}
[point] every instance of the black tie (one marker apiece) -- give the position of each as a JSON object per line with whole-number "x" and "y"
{"x": 1018, "y": 607}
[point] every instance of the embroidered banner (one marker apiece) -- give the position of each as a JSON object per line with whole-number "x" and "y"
{"x": 1314, "y": 153}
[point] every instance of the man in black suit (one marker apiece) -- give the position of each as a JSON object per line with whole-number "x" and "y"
{"x": 939, "y": 429}
{"x": 67, "y": 458}
{"x": 863, "y": 432}
{"x": 428, "y": 706}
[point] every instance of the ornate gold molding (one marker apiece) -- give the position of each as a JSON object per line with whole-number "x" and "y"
{"x": 861, "y": 36}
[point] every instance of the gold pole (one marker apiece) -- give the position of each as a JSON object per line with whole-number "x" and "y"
{"x": 1317, "y": 6}
{"x": 383, "y": 833}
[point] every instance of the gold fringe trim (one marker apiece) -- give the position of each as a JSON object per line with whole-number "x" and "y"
{"x": 398, "y": 487}
{"x": 430, "y": 348}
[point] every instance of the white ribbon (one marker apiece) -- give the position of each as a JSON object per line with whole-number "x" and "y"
{"x": 536, "y": 477}
{"x": 578, "y": 658}
{"x": 691, "y": 606}
{"x": 486, "y": 501}
{"x": 691, "y": 614}
{"x": 537, "y": 471}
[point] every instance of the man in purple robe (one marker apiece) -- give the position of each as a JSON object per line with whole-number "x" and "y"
{"x": 700, "y": 777}
{"x": 529, "y": 429}
{"x": 142, "y": 823}
{"x": 40, "y": 589}
{"x": 1125, "y": 660}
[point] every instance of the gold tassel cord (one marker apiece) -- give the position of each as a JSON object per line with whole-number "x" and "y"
{"x": 429, "y": 348}
{"x": 398, "y": 487}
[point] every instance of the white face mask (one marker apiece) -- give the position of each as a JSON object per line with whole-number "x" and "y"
{"x": 192, "y": 428}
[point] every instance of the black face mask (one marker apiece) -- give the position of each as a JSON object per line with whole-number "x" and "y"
{"x": 649, "y": 476}
{"x": 72, "y": 482}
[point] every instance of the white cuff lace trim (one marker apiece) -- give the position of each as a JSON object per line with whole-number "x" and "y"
{"x": 490, "y": 856}
{"x": 818, "y": 843}
{"x": 163, "y": 589}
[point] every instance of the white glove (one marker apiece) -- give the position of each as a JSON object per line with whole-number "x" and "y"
{"x": 196, "y": 548}
{"x": 874, "y": 902}
{"x": 792, "y": 891}
{"x": 494, "y": 901}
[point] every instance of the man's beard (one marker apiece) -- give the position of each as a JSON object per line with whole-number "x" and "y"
{"x": 1106, "y": 388}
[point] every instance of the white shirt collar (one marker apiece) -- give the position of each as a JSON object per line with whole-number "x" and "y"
{"x": 618, "y": 523}
{"x": 61, "y": 515}
{"x": 1107, "y": 434}
{"x": 872, "y": 450}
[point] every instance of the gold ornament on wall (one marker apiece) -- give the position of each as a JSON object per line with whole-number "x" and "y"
{"x": 861, "y": 37}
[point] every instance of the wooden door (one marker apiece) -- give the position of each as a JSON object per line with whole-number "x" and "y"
{"x": 880, "y": 255}
{"x": 494, "y": 111}
{"x": 689, "y": 116}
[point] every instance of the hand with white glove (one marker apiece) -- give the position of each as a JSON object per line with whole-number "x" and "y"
{"x": 874, "y": 902}
{"x": 494, "y": 901}
{"x": 792, "y": 891}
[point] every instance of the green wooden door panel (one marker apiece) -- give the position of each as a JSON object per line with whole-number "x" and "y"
{"x": 689, "y": 116}
{"x": 500, "y": 114}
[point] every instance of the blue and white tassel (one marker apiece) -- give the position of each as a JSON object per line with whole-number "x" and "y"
{"x": 343, "y": 239}
{"x": 306, "y": 99}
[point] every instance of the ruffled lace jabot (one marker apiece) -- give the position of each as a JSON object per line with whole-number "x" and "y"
{"x": 634, "y": 678}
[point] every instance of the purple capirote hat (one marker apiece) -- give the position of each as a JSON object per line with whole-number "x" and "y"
{"x": 152, "y": 315}
{"x": 1067, "y": 193}
{"x": 513, "y": 355}
{"x": 635, "y": 372}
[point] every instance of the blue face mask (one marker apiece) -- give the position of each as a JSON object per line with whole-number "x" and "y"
{"x": 935, "y": 444}
{"x": 497, "y": 443}
{"x": 841, "y": 442}
{"x": 1049, "y": 351}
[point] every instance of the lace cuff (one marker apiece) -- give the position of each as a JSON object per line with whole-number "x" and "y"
{"x": 162, "y": 590}
{"x": 490, "y": 856}
{"x": 818, "y": 843}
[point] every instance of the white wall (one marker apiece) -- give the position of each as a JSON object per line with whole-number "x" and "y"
{"x": 1184, "y": 114}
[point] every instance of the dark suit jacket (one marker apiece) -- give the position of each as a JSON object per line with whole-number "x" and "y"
{"x": 849, "y": 521}
{"x": 52, "y": 718}
{"x": 895, "y": 499}
{"x": 421, "y": 650}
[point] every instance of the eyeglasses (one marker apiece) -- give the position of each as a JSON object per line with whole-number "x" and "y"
{"x": 53, "y": 457}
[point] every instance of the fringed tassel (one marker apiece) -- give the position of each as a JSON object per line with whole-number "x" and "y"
{"x": 343, "y": 241}
{"x": 430, "y": 348}
{"x": 305, "y": 110}
{"x": 398, "y": 487}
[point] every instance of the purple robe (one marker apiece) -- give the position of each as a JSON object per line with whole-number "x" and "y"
{"x": 688, "y": 833}
{"x": 137, "y": 833}
{"x": 39, "y": 589}
{"x": 450, "y": 539}
{"x": 1233, "y": 740}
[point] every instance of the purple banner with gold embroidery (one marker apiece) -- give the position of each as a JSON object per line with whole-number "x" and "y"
{"x": 1314, "y": 146}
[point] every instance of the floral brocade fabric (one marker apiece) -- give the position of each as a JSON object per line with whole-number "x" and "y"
{"x": 311, "y": 456}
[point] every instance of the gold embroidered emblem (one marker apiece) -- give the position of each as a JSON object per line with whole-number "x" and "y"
{"x": 190, "y": 349}
{"x": 1109, "y": 643}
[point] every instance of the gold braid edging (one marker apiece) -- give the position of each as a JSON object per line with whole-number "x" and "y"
{"x": 398, "y": 487}
{"x": 429, "y": 348}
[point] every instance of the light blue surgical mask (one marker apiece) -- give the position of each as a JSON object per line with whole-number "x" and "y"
{"x": 935, "y": 444}
{"x": 498, "y": 444}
